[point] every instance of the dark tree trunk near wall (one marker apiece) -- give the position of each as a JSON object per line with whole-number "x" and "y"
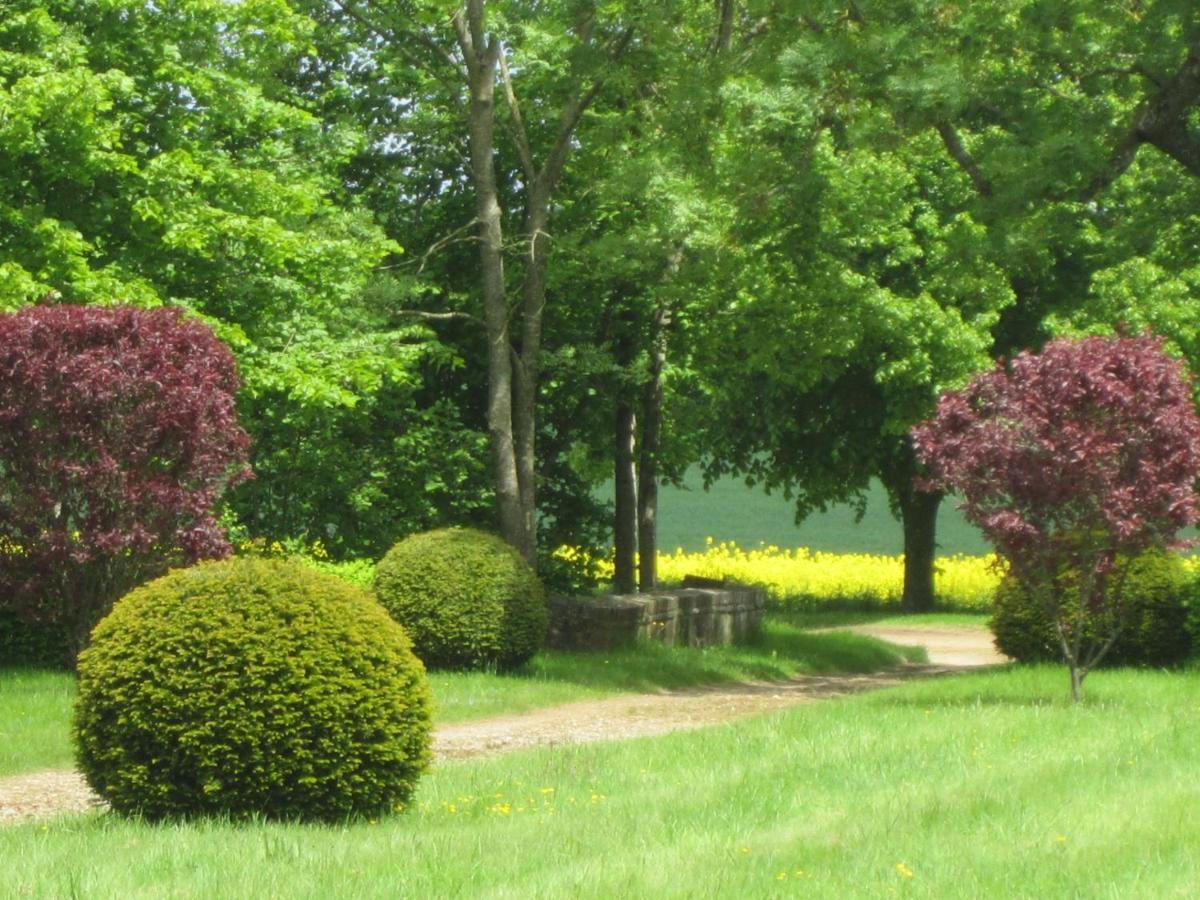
{"x": 625, "y": 524}
{"x": 652, "y": 400}
{"x": 625, "y": 521}
{"x": 918, "y": 513}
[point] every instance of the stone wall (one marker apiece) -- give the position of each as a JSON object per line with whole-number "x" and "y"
{"x": 687, "y": 617}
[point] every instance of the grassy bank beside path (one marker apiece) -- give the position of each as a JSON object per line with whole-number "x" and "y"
{"x": 35, "y": 707}
{"x": 991, "y": 784}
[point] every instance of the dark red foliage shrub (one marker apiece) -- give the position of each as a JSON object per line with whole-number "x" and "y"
{"x": 1067, "y": 459}
{"x": 118, "y": 434}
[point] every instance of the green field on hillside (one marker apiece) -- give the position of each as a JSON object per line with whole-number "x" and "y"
{"x": 730, "y": 511}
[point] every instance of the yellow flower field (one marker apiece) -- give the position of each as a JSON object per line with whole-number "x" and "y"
{"x": 804, "y": 579}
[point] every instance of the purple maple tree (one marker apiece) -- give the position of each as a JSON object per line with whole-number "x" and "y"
{"x": 1069, "y": 460}
{"x": 118, "y": 434}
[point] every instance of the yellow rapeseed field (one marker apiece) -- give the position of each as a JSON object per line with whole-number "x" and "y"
{"x": 804, "y": 579}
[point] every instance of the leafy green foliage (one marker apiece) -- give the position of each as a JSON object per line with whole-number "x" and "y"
{"x": 25, "y": 643}
{"x": 466, "y": 597}
{"x": 251, "y": 687}
{"x": 169, "y": 154}
{"x": 1154, "y": 592}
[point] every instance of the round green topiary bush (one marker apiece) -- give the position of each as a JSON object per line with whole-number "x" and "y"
{"x": 467, "y": 599}
{"x": 251, "y": 687}
{"x": 1154, "y": 593}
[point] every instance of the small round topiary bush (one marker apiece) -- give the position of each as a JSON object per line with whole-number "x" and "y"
{"x": 1154, "y": 594}
{"x": 251, "y": 687}
{"x": 467, "y": 599}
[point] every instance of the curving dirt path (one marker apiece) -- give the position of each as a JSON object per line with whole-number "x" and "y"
{"x": 951, "y": 650}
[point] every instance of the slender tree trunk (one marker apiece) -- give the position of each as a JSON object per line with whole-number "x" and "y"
{"x": 647, "y": 495}
{"x": 625, "y": 536}
{"x": 625, "y": 512}
{"x": 724, "y": 35}
{"x": 533, "y": 291}
{"x": 482, "y": 59}
{"x": 513, "y": 373}
{"x": 918, "y": 513}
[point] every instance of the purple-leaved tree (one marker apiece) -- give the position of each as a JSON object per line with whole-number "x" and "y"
{"x": 118, "y": 434}
{"x": 1066, "y": 460}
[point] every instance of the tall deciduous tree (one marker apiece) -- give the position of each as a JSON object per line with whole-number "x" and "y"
{"x": 1058, "y": 138}
{"x": 518, "y": 81}
{"x": 1068, "y": 459}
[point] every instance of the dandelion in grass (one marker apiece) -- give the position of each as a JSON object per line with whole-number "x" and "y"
{"x": 903, "y": 871}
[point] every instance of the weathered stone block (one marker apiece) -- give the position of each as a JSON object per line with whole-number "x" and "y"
{"x": 690, "y": 616}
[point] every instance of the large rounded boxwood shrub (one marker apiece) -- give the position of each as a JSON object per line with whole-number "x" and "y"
{"x": 251, "y": 687}
{"x": 467, "y": 599}
{"x": 1154, "y": 593}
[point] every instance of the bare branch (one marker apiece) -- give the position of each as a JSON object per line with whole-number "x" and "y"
{"x": 1161, "y": 121}
{"x": 465, "y": 42}
{"x": 724, "y": 33}
{"x": 395, "y": 37}
{"x": 442, "y": 243}
{"x": 574, "y": 110}
{"x": 475, "y": 11}
{"x": 417, "y": 34}
{"x": 520, "y": 135}
{"x": 954, "y": 146}
{"x": 442, "y": 316}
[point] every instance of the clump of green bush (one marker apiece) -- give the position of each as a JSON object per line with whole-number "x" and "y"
{"x": 251, "y": 687}
{"x": 39, "y": 644}
{"x": 1153, "y": 593}
{"x": 467, "y": 599}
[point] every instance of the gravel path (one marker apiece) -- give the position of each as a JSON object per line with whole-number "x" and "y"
{"x": 951, "y": 650}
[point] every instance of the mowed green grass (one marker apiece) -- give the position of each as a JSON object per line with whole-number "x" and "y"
{"x": 988, "y": 785}
{"x": 34, "y": 711}
{"x": 35, "y": 707}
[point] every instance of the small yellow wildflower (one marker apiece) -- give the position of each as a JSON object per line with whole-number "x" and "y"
{"x": 903, "y": 871}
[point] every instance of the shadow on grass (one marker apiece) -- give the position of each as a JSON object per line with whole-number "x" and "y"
{"x": 783, "y": 652}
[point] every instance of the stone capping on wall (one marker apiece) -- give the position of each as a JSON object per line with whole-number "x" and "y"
{"x": 691, "y": 616}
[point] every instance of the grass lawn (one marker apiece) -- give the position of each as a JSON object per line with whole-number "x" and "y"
{"x": 35, "y": 706}
{"x": 987, "y": 785}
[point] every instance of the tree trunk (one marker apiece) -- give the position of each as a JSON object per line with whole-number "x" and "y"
{"x": 647, "y": 495}
{"x": 625, "y": 513}
{"x": 513, "y": 373}
{"x": 533, "y": 291}
{"x": 482, "y": 60}
{"x": 918, "y": 513}
{"x": 625, "y": 536}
